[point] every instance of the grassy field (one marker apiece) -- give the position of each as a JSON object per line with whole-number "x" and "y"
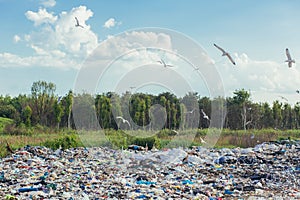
{"x": 4, "y": 122}
{"x": 18, "y": 137}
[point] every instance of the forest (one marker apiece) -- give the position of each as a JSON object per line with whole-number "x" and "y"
{"x": 44, "y": 107}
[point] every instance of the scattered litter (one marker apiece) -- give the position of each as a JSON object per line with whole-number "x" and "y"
{"x": 267, "y": 171}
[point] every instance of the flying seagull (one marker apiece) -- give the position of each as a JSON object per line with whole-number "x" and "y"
{"x": 225, "y": 53}
{"x": 248, "y": 122}
{"x": 77, "y": 23}
{"x": 196, "y": 68}
{"x": 123, "y": 120}
{"x": 161, "y": 61}
{"x": 204, "y": 115}
{"x": 191, "y": 111}
{"x": 289, "y": 60}
{"x": 202, "y": 141}
{"x": 283, "y": 98}
{"x": 59, "y": 99}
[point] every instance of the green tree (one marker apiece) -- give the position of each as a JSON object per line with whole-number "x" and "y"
{"x": 277, "y": 115}
{"x": 58, "y": 112}
{"x": 297, "y": 115}
{"x": 43, "y": 99}
{"x": 26, "y": 115}
{"x": 103, "y": 110}
{"x": 267, "y": 116}
{"x": 287, "y": 117}
{"x": 84, "y": 112}
{"x": 68, "y": 106}
{"x": 241, "y": 98}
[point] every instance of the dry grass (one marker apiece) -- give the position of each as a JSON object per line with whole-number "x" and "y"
{"x": 118, "y": 139}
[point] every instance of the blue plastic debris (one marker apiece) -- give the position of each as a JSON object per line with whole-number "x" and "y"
{"x": 184, "y": 182}
{"x": 142, "y": 197}
{"x": 145, "y": 182}
{"x": 228, "y": 192}
{"x": 30, "y": 189}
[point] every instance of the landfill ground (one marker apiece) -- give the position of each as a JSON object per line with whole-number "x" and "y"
{"x": 266, "y": 171}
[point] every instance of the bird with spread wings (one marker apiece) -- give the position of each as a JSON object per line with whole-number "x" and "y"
{"x": 77, "y": 23}
{"x": 123, "y": 120}
{"x": 289, "y": 60}
{"x": 161, "y": 61}
{"x": 225, "y": 53}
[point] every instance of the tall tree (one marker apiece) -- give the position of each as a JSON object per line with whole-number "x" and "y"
{"x": 43, "y": 99}
{"x": 68, "y": 106}
{"x": 241, "y": 98}
{"x": 26, "y": 115}
{"x": 277, "y": 114}
{"x": 267, "y": 116}
{"x": 58, "y": 112}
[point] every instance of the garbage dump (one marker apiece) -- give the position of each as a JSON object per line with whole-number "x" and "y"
{"x": 269, "y": 170}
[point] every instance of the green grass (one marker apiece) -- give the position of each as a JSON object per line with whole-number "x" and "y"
{"x": 4, "y": 122}
{"x": 43, "y": 136}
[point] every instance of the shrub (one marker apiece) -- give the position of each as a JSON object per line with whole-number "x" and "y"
{"x": 65, "y": 142}
{"x": 150, "y": 141}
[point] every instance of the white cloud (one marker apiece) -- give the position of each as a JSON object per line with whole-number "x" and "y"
{"x": 39, "y": 50}
{"x": 75, "y": 40}
{"x": 41, "y": 17}
{"x": 43, "y": 60}
{"x": 116, "y": 45}
{"x": 57, "y": 42}
{"x": 261, "y": 77}
{"x": 48, "y": 3}
{"x": 17, "y": 38}
{"x": 111, "y": 22}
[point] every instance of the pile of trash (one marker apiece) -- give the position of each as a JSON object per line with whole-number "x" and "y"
{"x": 266, "y": 171}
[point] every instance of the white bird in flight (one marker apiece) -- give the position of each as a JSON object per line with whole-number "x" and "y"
{"x": 196, "y": 68}
{"x": 204, "y": 115}
{"x": 77, "y": 23}
{"x": 202, "y": 141}
{"x": 289, "y": 60}
{"x": 161, "y": 61}
{"x": 225, "y": 54}
{"x": 191, "y": 111}
{"x": 123, "y": 120}
{"x": 59, "y": 99}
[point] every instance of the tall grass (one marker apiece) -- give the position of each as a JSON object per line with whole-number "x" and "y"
{"x": 4, "y": 122}
{"x": 41, "y": 136}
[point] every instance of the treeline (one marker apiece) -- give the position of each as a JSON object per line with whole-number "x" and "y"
{"x": 143, "y": 111}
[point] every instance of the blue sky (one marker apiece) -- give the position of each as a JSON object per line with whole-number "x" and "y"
{"x": 38, "y": 40}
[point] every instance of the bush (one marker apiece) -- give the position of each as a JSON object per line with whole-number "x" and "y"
{"x": 12, "y": 129}
{"x": 150, "y": 141}
{"x": 64, "y": 142}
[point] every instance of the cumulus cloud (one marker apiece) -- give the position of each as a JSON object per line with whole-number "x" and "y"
{"x": 263, "y": 78}
{"x": 41, "y": 17}
{"x": 48, "y": 3}
{"x": 17, "y": 38}
{"x": 46, "y": 60}
{"x": 56, "y": 42}
{"x": 114, "y": 46}
{"x": 111, "y": 22}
